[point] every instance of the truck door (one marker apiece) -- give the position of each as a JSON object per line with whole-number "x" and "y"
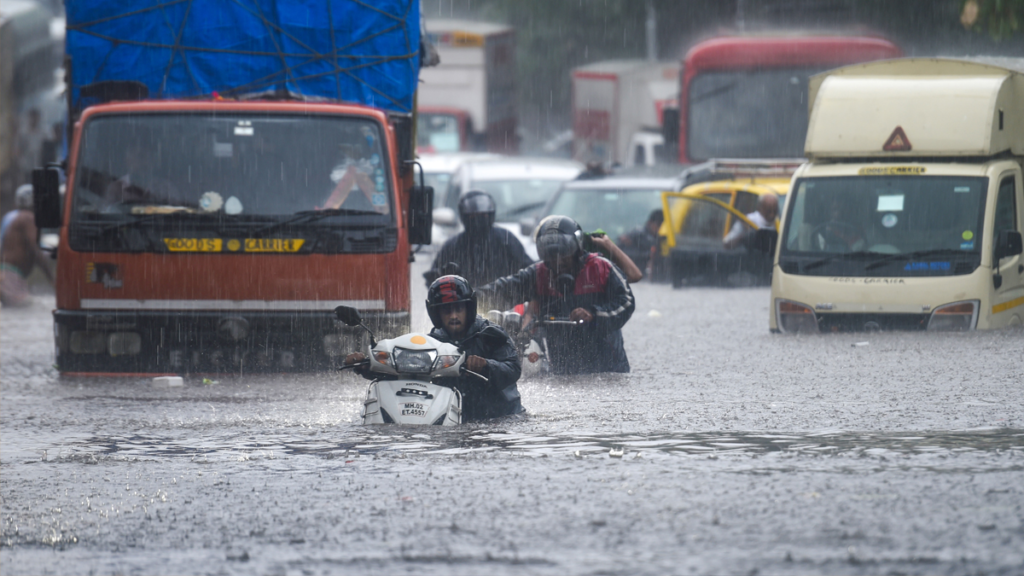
{"x": 1008, "y": 296}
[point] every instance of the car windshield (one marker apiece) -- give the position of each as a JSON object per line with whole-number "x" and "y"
{"x": 888, "y": 225}
{"x": 614, "y": 211}
{"x": 240, "y": 165}
{"x": 518, "y": 199}
{"x": 748, "y": 113}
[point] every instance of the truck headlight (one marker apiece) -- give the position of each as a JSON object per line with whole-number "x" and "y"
{"x": 124, "y": 343}
{"x": 83, "y": 342}
{"x": 955, "y": 316}
{"x": 794, "y": 317}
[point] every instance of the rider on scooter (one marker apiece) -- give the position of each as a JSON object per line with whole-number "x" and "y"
{"x": 451, "y": 305}
{"x": 572, "y": 283}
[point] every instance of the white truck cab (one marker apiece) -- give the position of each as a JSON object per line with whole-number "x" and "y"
{"x": 909, "y": 212}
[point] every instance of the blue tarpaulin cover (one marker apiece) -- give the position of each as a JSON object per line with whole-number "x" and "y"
{"x": 366, "y": 52}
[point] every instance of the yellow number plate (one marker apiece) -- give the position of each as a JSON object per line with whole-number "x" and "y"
{"x": 273, "y": 244}
{"x": 194, "y": 244}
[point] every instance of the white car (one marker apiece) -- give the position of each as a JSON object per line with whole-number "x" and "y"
{"x": 437, "y": 172}
{"x": 520, "y": 187}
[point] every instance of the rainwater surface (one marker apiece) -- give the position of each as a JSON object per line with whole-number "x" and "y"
{"x": 726, "y": 450}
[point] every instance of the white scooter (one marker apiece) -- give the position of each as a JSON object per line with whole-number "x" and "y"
{"x": 406, "y": 391}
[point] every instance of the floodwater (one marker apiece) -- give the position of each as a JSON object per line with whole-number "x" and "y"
{"x": 727, "y": 450}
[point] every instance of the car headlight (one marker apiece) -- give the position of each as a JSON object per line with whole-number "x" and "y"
{"x": 955, "y": 316}
{"x": 795, "y": 317}
{"x": 414, "y": 361}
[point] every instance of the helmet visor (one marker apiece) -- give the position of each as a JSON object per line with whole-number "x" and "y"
{"x": 553, "y": 246}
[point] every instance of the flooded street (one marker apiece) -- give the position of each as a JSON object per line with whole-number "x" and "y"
{"x": 727, "y": 450}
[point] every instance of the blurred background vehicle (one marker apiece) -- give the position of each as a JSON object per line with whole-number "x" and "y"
{"x": 616, "y": 204}
{"x": 437, "y": 173}
{"x": 520, "y": 187}
{"x": 695, "y": 230}
{"x": 617, "y": 110}
{"x": 468, "y": 101}
{"x": 744, "y": 95}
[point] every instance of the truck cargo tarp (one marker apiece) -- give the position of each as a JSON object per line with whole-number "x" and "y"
{"x": 365, "y": 52}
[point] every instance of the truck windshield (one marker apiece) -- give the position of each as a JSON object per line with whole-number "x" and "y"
{"x": 195, "y": 171}
{"x": 748, "y": 113}
{"x": 884, "y": 226}
{"x": 437, "y": 133}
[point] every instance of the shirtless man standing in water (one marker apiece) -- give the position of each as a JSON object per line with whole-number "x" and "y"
{"x": 19, "y": 252}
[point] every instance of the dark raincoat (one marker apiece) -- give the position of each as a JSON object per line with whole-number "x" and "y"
{"x": 600, "y": 288}
{"x": 498, "y": 396}
{"x": 481, "y": 257}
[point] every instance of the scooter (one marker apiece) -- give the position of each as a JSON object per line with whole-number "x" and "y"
{"x": 530, "y": 339}
{"x": 406, "y": 391}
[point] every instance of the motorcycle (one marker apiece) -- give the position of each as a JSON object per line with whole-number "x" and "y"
{"x": 406, "y": 390}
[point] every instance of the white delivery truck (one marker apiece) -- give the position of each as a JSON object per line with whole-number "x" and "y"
{"x": 617, "y": 110}
{"x": 468, "y": 101}
{"x": 908, "y": 213}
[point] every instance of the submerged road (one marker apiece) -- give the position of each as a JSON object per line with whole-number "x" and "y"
{"x": 727, "y": 450}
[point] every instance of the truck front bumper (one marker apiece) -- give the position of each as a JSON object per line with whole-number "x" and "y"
{"x": 176, "y": 342}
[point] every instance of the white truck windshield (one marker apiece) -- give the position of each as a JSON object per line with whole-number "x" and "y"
{"x": 885, "y": 225}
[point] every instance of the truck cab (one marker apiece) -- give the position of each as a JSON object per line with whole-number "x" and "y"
{"x": 908, "y": 214}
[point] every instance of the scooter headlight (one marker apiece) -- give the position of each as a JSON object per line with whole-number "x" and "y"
{"x": 445, "y": 361}
{"x": 382, "y": 357}
{"x": 955, "y": 316}
{"x": 414, "y": 361}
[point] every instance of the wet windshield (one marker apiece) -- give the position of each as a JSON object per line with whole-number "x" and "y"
{"x": 614, "y": 211}
{"x": 887, "y": 226}
{"x": 197, "y": 170}
{"x": 437, "y": 133}
{"x": 518, "y": 199}
{"x": 748, "y": 114}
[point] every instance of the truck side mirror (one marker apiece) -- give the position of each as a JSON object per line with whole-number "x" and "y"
{"x": 1008, "y": 243}
{"x": 46, "y": 197}
{"x": 421, "y": 210}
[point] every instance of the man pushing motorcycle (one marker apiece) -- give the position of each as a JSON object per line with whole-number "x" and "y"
{"x": 451, "y": 305}
{"x": 571, "y": 283}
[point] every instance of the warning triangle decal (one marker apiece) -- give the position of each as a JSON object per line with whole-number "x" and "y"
{"x": 897, "y": 141}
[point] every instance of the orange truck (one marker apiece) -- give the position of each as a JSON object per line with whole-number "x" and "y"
{"x": 228, "y": 187}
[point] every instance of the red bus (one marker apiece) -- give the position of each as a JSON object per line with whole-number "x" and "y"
{"x": 745, "y": 96}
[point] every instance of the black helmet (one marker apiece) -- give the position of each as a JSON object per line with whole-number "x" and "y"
{"x": 450, "y": 289}
{"x": 558, "y": 237}
{"x": 476, "y": 209}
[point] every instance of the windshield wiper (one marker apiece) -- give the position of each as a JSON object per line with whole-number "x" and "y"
{"x": 860, "y": 254}
{"x": 144, "y": 220}
{"x": 914, "y": 255}
{"x": 307, "y": 216}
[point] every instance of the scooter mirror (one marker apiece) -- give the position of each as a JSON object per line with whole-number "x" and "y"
{"x": 512, "y": 322}
{"x": 348, "y": 315}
